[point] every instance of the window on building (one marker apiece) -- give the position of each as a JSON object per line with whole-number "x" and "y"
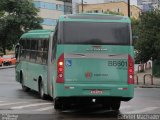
{"x": 102, "y": 11}
{"x": 60, "y": 7}
{"x": 89, "y": 11}
{"x": 95, "y": 11}
{"x": 50, "y": 22}
{"x": 45, "y": 5}
{"x": 68, "y": 9}
{"x": 118, "y": 10}
{"x": 37, "y": 4}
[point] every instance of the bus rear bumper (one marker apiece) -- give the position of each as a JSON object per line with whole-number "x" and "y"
{"x": 121, "y": 92}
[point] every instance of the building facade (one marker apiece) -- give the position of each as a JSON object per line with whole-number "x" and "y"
{"x": 144, "y": 5}
{"x": 117, "y": 7}
{"x": 106, "y": 1}
{"x": 148, "y": 5}
{"x": 50, "y": 10}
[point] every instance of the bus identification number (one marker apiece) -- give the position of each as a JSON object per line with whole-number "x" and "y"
{"x": 116, "y": 63}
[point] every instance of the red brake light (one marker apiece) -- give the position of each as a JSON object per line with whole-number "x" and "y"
{"x": 130, "y": 70}
{"x": 60, "y": 69}
{"x": 60, "y": 63}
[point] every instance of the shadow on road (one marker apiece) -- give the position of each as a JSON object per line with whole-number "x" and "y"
{"x": 88, "y": 112}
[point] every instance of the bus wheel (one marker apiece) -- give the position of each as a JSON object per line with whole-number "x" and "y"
{"x": 116, "y": 105}
{"x": 57, "y": 104}
{"x": 26, "y": 89}
{"x": 41, "y": 91}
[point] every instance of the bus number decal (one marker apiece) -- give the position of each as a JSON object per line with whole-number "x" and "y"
{"x": 119, "y": 63}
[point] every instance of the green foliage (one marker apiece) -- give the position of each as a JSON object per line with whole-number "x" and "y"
{"x": 114, "y": 13}
{"x": 156, "y": 68}
{"x": 16, "y": 17}
{"x": 135, "y": 29}
{"x": 148, "y": 43}
{"x": 1, "y": 14}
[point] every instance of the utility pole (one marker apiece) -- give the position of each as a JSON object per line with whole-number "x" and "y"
{"x": 129, "y": 11}
{"x": 82, "y": 5}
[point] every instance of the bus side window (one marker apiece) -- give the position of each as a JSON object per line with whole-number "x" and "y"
{"x": 54, "y": 46}
{"x": 40, "y": 51}
{"x": 22, "y": 49}
{"x": 33, "y": 50}
{"x": 28, "y": 42}
{"x": 17, "y": 52}
{"x": 45, "y": 51}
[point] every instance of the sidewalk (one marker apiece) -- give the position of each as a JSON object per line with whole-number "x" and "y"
{"x": 148, "y": 84}
{"x": 5, "y": 67}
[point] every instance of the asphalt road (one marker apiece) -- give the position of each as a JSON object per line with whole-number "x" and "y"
{"x": 20, "y": 105}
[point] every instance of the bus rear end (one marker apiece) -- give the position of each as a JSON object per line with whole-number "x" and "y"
{"x": 94, "y": 63}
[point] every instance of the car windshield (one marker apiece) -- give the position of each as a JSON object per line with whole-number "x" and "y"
{"x": 102, "y": 33}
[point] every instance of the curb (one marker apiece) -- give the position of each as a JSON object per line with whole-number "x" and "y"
{"x": 5, "y": 67}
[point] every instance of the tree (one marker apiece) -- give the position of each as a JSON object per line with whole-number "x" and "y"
{"x": 148, "y": 44}
{"x": 135, "y": 29}
{"x": 16, "y": 17}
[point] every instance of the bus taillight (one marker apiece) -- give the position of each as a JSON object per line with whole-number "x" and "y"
{"x": 130, "y": 70}
{"x": 60, "y": 69}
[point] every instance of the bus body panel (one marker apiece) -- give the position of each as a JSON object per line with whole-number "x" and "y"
{"x": 31, "y": 73}
{"x": 87, "y": 69}
{"x": 32, "y": 61}
{"x": 98, "y": 58}
{"x": 86, "y": 90}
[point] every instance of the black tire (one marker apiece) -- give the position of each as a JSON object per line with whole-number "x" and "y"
{"x": 57, "y": 104}
{"x": 26, "y": 89}
{"x": 60, "y": 105}
{"x": 41, "y": 91}
{"x": 115, "y": 105}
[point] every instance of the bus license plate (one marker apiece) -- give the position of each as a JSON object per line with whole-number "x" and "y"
{"x": 96, "y": 91}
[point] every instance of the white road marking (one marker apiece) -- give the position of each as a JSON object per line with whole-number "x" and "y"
{"x": 142, "y": 110}
{"x": 9, "y": 83}
{"x": 31, "y": 105}
{"x": 44, "y": 109}
{"x": 5, "y": 104}
{"x": 124, "y": 107}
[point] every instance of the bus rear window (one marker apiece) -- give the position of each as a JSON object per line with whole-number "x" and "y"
{"x": 101, "y": 33}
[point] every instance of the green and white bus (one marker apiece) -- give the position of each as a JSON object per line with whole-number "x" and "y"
{"x": 89, "y": 59}
{"x": 33, "y": 54}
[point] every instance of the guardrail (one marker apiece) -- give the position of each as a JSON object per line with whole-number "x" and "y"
{"x": 143, "y": 67}
{"x": 140, "y": 68}
{"x": 144, "y": 78}
{"x": 147, "y": 66}
{"x": 135, "y": 75}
